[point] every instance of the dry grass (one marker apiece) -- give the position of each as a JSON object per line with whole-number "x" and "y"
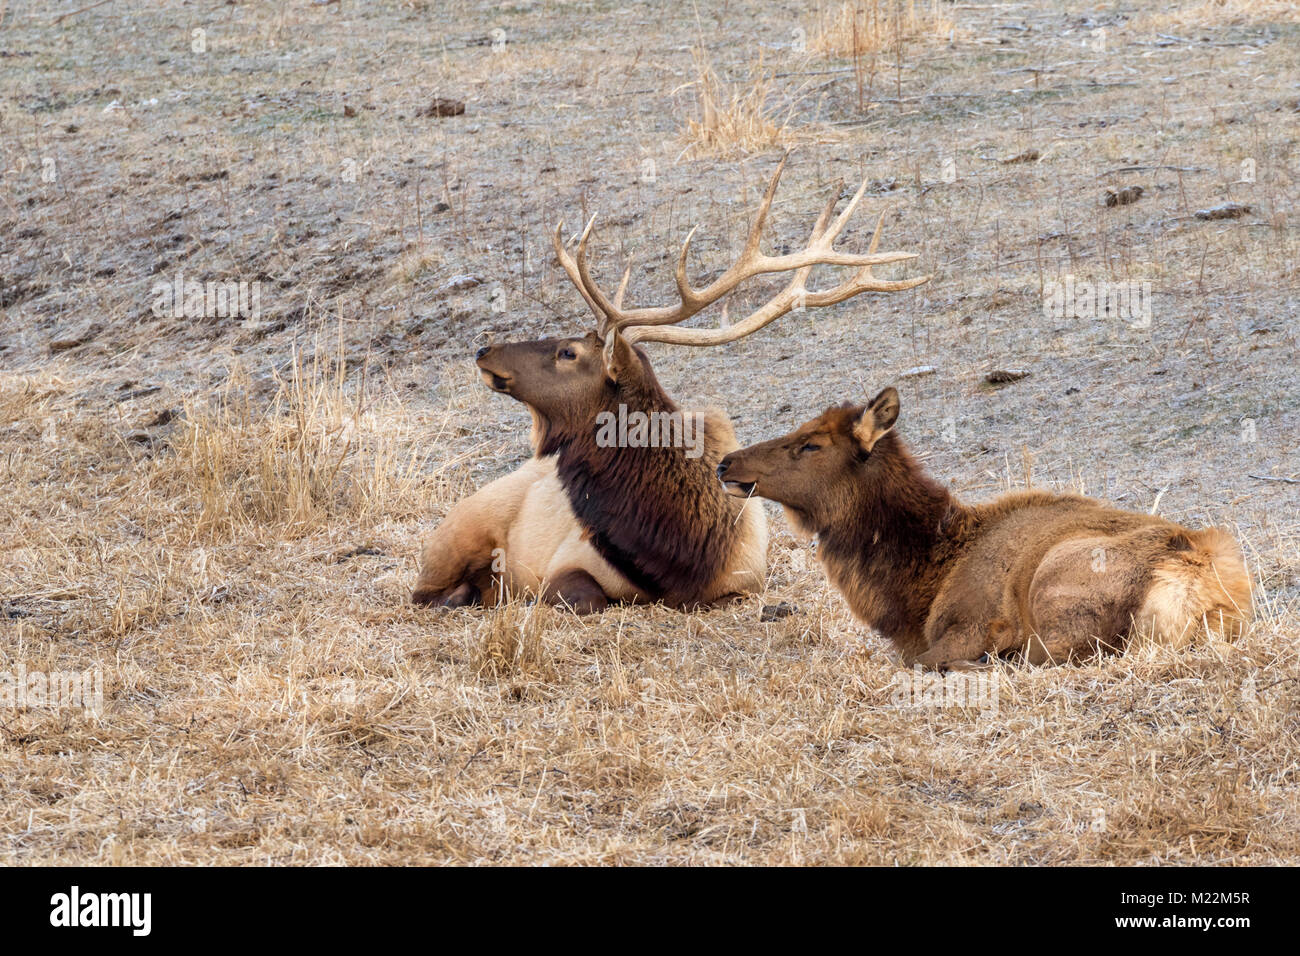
{"x": 223, "y": 518}
{"x": 315, "y": 452}
{"x": 852, "y": 29}
{"x": 1219, "y": 13}
{"x": 270, "y": 698}
{"x": 737, "y": 119}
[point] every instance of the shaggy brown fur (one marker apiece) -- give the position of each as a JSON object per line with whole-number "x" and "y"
{"x": 657, "y": 515}
{"x": 650, "y": 523}
{"x": 1045, "y": 576}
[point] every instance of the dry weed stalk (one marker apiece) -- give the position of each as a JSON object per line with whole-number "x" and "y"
{"x": 739, "y": 118}
{"x": 853, "y": 29}
{"x": 316, "y": 452}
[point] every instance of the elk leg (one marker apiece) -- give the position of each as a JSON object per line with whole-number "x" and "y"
{"x": 959, "y": 647}
{"x": 448, "y": 571}
{"x": 1081, "y": 600}
{"x": 456, "y": 562}
{"x": 464, "y": 594}
{"x": 1082, "y": 632}
{"x": 577, "y": 590}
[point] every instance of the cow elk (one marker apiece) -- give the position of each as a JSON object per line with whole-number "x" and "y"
{"x": 595, "y": 516}
{"x": 1034, "y": 575}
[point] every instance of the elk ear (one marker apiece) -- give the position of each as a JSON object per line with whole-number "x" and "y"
{"x": 619, "y": 357}
{"x": 876, "y": 419}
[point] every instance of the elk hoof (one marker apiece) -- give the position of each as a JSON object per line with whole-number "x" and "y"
{"x": 578, "y": 591}
{"x": 463, "y": 595}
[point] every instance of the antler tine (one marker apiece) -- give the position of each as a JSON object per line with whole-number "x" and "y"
{"x": 861, "y": 283}
{"x": 622, "y": 285}
{"x": 613, "y": 317}
{"x": 843, "y": 217}
{"x": 571, "y": 270}
{"x": 756, "y": 230}
{"x": 642, "y": 324}
{"x": 819, "y": 227}
{"x": 875, "y": 236}
{"x": 684, "y": 289}
{"x": 863, "y": 280}
{"x": 794, "y": 293}
{"x": 795, "y": 288}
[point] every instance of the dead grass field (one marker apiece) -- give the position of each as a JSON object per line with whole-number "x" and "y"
{"x": 222, "y": 515}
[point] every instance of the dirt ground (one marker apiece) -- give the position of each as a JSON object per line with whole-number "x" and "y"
{"x": 219, "y": 514}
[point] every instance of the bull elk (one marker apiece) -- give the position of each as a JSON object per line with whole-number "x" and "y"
{"x": 593, "y": 517}
{"x": 1034, "y": 575}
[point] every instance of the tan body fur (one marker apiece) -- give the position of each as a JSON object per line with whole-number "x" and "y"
{"x": 1061, "y": 577}
{"x": 1048, "y": 577}
{"x": 518, "y": 536}
{"x": 522, "y": 524}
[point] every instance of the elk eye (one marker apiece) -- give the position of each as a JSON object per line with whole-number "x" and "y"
{"x": 567, "y": 353}
{"x": 810, "y": 447}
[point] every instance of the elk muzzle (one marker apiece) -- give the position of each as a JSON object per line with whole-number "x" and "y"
{"x": 735, "y": 477}
{"x": 494, "y": 377}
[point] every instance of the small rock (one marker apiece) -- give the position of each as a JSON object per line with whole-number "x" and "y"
{"x": 774, "y": 612}
{"x": 1001, "y": 376}
{"x": 1028, "y": 156}
{"x": 1122, "y": 197}
{"x": 918, "y": 371}
{"x": 162, "y": 418}
{"x": 357, "y": 552}
{"x": 348, "y": 111}
{"x": 457, "y": 284}
{"x": 1228, "y": 210}
{"x": 63, "y": 341}
{"x": 441, "y": 106}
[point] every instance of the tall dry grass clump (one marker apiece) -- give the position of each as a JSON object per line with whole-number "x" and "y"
{"x": 854, "y": 29}
{"x": 322, "y": 448}
{"x": 739, "y": 118}
{"x": 512, "y": 643}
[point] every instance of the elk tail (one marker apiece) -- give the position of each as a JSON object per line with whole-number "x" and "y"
{"x": 1198, "y": 585}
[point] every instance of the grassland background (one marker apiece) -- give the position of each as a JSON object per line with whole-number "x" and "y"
{"x": 223, "y": 515}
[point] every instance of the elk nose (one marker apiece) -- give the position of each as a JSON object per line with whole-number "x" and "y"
{"x": 722, "y": 467}
{"x": 483, "y": 351}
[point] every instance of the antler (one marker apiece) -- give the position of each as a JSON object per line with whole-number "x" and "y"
{"x": 640, "y": 324}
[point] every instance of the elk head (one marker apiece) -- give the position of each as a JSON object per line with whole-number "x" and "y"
{"x": 566, "y": 382}
{"x": 816, "y": 469}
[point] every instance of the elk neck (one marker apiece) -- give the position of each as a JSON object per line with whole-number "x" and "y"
{"x": 887, "y": 538}
{"x": 657, "y": 514}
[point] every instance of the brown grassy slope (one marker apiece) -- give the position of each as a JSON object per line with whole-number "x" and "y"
{"x": 239, "y": 571}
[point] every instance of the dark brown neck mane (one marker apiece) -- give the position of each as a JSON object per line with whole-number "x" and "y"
{"x": 886, "y": 539}
{"x": 659, "y": 517}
